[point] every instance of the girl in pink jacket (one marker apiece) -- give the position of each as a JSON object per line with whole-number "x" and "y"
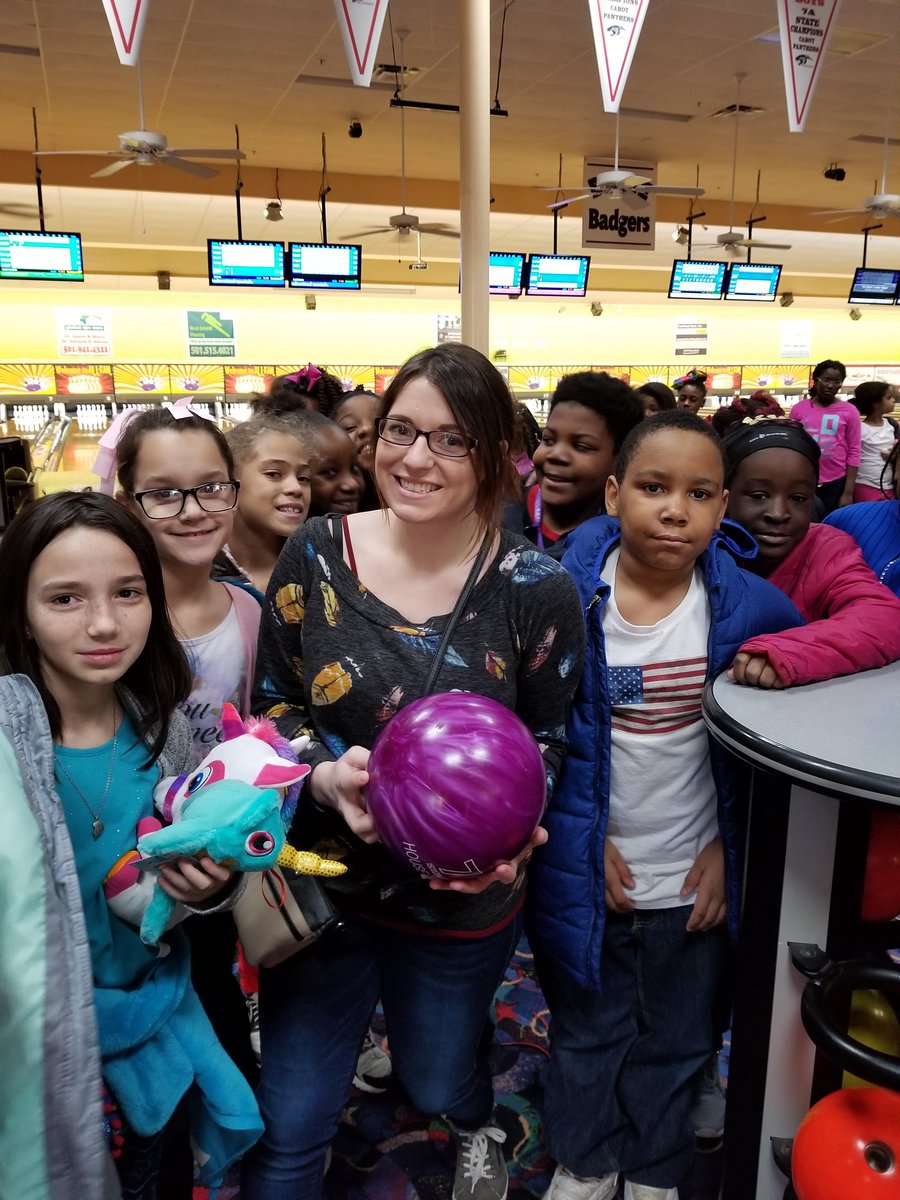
{"x": 853, "y": 620}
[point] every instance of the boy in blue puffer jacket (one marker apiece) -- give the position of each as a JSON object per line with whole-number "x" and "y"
{"x": 643, "y": 860}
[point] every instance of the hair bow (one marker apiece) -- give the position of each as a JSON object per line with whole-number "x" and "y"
{"x": 308, "y": 378}
{"x": 182, "y": 407}
{"x": 105, "y": 462}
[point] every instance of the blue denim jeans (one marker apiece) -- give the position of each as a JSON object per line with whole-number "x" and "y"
{"x": 314, "y": 1011}
{"x": 618, "y": 1088}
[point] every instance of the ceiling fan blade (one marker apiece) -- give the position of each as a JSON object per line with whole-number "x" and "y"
{"x": 93, "y": 153}
{"x": 571, "y": 200}
{"x": 438, "y": 230}
{"x": 361, "y": 233}
{"x": 660, "y": 189}
{"x": 20, "y": 210}
{"x": 754, "y": 245}
{"x": 112, "y": 169}
{"x": 233, "y": 154}
{"x": 840, "y": 213}
{"x": 190, "y": 168}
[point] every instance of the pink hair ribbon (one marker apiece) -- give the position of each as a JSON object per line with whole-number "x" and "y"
{"x": 308, "y": 378}
{"x": 105, "y": 462}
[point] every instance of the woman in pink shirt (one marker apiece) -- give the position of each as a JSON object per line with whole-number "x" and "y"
{"x": 835, "y": 425}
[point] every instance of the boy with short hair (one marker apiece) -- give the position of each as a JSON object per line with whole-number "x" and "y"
{"x": 590, "y": 415}
{"x": 645, "y": 847}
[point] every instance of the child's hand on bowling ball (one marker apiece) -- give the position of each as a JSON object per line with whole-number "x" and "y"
{"x": 340, "y": 785}
{"x": 707, "y": 878}
{"x": 617, "y": 877}
{"x": 754, "y": 670}
{"x": 505, "y": 872}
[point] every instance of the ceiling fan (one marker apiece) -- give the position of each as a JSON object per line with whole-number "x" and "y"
{"x": 731, "y": 241}
{"x": 880, "y": 204}
{"x": 403, "y": 222}
{"x": 619, "y": 184}
{"x": 147, "y": 148}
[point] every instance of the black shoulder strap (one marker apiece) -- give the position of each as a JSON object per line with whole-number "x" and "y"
{"x": 458, "y": 610}
{"x": 337, "y": 531}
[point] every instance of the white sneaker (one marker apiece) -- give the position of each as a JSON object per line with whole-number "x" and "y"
{"x": 642, "y": 1191}
{"x": 566, "y": 1186}
{"x": 253, "y": 1014}
{"x": 480, "y": 1165}
{"x": 373, "y": 1068}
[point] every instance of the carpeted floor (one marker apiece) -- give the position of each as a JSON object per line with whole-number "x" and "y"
{"x": 386, "y": 1150}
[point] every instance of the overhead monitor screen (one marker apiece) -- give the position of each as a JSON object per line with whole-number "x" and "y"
{"x": 872, "y": 285}
{"x": 33, "y": 254}
{"x": 752, "y": 281}
{"x": 245, "y": 264}
{"x": 313, "y": 265}
{"x": 693, "y": 279}
{"x": 557, "y": 275}
{"x": 505, "y": 274}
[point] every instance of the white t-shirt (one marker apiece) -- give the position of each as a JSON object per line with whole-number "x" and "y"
{"x": 875, "y": 438}
{"x": 219, "y": 665}
{"x": 662, "y": 804}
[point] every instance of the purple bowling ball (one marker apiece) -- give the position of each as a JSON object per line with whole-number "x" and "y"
{"x": 456, "y": 785}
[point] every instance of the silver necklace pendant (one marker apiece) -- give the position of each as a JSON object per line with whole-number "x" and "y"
{"x": 97, "y": 828}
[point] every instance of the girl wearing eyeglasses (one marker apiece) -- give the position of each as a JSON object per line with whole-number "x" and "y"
{"x": 176, "y": 475}
{"x": 355, "y": 610}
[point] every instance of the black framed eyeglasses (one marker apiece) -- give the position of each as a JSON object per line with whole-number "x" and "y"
{"x": 159, "y": 503}
{"x": 446, "y": 442}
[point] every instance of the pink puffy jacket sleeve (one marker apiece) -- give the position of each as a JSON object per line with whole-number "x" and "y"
{"x": 853, "y": 620}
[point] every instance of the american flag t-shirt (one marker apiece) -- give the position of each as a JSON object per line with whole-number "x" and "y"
{"x": 658, "y": 697}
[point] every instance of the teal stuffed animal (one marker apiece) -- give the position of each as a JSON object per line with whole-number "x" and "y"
{"x": 235, "y": 823}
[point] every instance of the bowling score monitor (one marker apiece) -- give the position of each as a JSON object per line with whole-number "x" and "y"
{"x": 557, "y": 275}
{"x": 694, "y": 279}
{"x": 505, "y": 273}
{"x": 874, "y": 286}
{"x": 245, "y": 264}
{"x": 315, "y": 265}
{"x": 34, "y": 254}
{"x": 752, "y": 281}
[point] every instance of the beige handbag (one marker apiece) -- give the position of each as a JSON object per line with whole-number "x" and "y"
{"x": 281, "y": 912}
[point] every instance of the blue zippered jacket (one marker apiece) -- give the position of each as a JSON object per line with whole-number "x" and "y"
{"x": 566, "y": 899}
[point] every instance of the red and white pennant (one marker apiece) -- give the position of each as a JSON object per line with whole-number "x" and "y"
{"x": 617, "y": 27}
{"x": 361, "y": 22}
{"x": 805, "y": 27}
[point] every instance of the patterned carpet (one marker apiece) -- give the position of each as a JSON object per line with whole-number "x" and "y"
{"x": 386, "y": 1150}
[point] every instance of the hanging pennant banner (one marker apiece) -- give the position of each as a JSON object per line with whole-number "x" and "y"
{"x": 361, "y": 22}
{"x": 126, "y": 20}
{"x": 805, "y": 27}
{"x": 617, "y": 27}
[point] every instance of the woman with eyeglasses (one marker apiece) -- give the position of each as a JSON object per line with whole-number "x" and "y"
{"x": 355, "y": 610}
{"x": 176, "y": 475}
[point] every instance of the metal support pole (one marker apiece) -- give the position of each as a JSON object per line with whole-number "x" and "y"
{"x": 475, "y": 168}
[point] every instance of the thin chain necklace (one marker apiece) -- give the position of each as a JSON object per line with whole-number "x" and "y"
{"x": 97, "y": 825}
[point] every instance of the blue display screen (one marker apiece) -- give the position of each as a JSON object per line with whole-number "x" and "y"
{"x": 32, "y": 254}
{"x": 314, "y": 265}
{"x": 696, "y": 280}
{"x": 246, "y": 264}
{"x": 752, "y": 281}
{"x": 505, "y": 274}
{"x": 557, "y": 275}
{"x": 871, "y": 285}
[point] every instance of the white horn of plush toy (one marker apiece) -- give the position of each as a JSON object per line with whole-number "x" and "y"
{"x": 299, "y": 744}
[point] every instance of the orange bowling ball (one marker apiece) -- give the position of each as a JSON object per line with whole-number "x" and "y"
{"x": 848, "y": 1147}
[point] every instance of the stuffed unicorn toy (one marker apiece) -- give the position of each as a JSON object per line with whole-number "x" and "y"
{"x": 235, "y": 807}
